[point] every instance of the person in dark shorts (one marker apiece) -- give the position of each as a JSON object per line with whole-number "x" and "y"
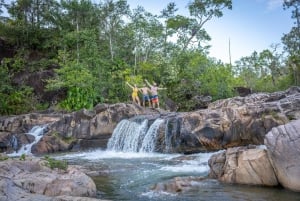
{"x": 154, "y": 94}
{"x": 145, "y": 92}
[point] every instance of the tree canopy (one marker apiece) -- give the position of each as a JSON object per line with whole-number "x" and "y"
{"x": 94, "y": 49}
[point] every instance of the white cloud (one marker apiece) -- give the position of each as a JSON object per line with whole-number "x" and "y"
{"x": 271, "y": 4}
{"x": 274, "y": 4}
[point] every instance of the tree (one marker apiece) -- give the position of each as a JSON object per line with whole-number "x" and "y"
{"x": 201, "y": 12}
{"x": 247, "y": 68}
{"x": 147, "y": 36}
{"x": 111, "y": 23}
{"x": 291, "y": 41}
{"x": 217, "y": 81}
{"x": 30, "y": 22}
{"x": 95, "y": 48}
{"x": 168, "y": 14}
{"x": 1, "y": 5}
{"x": 79, "y": 82}
{"x": 14, "y": 99}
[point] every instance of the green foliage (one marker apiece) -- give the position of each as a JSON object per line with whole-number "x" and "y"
{"x": 3, "y": 157}
{"x": 199, "y": 75}
{"x": 113, "y": 84}
{"x": 53, "y": 163}
{"x": 78, "y": 98}
{"x": 16, "y": 101}
{"x": 67, "y": 140}
{"x": 294, "y": 70}
{"x": 78, "y": 80}
{"x": 22, "y": 157}
{"x": 217, "y": 81}
{"x": 157, "y": 70}
{"x": 96, "y": 51}
{"x": 178, "y": 22}
{"x": 18, "y": 64}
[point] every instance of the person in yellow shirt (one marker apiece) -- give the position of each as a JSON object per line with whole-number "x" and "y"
{"x": 134, "y": 95}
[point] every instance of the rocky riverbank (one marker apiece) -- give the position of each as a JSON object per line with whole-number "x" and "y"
{"x": 238, "y": 125}
{"x": 34, "y": 179}
{"x": 274, "y": 164}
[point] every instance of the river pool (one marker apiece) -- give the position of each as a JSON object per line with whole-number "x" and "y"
{"x": 130, "y": 176}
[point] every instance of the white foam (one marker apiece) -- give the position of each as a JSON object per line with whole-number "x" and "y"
{"x": 186, "y": 168}
{"x": 262, "y": 147}
{"x": 37, "y": 132}
{"x": 155, "y": 194}
{"x": 103, "y": 154}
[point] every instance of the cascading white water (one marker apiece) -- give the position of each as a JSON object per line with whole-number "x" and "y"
{"x": 134, "y": 136}
{"x": 37, "y": 132}
{"x": 149, "y": 141}
{"x": 126, "y": 136}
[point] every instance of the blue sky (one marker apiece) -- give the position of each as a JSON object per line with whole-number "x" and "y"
{"x": 251, "y": 25}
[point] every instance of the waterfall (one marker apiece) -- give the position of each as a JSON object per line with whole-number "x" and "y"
{"x": 149, "y": 141}
{"x": 134, "y": 136}
{"x": 37, "y": 132}
{"x": 13, "y": 142}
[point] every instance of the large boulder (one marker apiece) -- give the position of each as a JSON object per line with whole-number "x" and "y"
{"x": 32, "y": 179}
{"x": 276, "y": 162}
{"x": 232, "y": 122}
{"x": 283, "y": 143}
{"x": 242, "y": 165}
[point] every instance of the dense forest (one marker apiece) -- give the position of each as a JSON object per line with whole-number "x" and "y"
{"x": 89, "y": 51}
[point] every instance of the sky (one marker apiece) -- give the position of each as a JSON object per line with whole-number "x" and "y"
{"x": 251, "y": 25}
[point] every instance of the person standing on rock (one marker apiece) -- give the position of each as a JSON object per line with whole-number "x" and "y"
{"x": 154, "y": 93}
{"x": 134, "y": 95}
{"x": 145, "y": 91}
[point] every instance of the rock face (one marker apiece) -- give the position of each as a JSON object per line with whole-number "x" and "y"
{"x": 33, "y": 180}
{"x": 277, "y": 164}
{"x": 89, "y": 129}
{"x": 69, "y": 131}
{"x": 283, "y": 143}
{"x": 231, "y": 122}
{"x": 225, "y": 123}
{"x": 36, "y": 80}
{"x": 241, "y": 165}
{"x": 243, "y": 91}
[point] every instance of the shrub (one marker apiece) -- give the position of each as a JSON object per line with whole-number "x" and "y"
{"x": 53, "y": 163}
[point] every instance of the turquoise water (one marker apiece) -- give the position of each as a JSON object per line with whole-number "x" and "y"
{"x": 130, "y": 176}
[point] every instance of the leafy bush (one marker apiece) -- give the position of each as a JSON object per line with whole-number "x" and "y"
{"x": 3, "y": 157}
{"x": 79, "y": 82}
{"x": 22, "y": 157}
{"x": 53, "y": 163}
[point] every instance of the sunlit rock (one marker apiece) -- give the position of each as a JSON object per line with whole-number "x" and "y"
{"x": 32, "y": 179}
{"x": 241, "y": 165}
{"x": 283, "y": 143}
